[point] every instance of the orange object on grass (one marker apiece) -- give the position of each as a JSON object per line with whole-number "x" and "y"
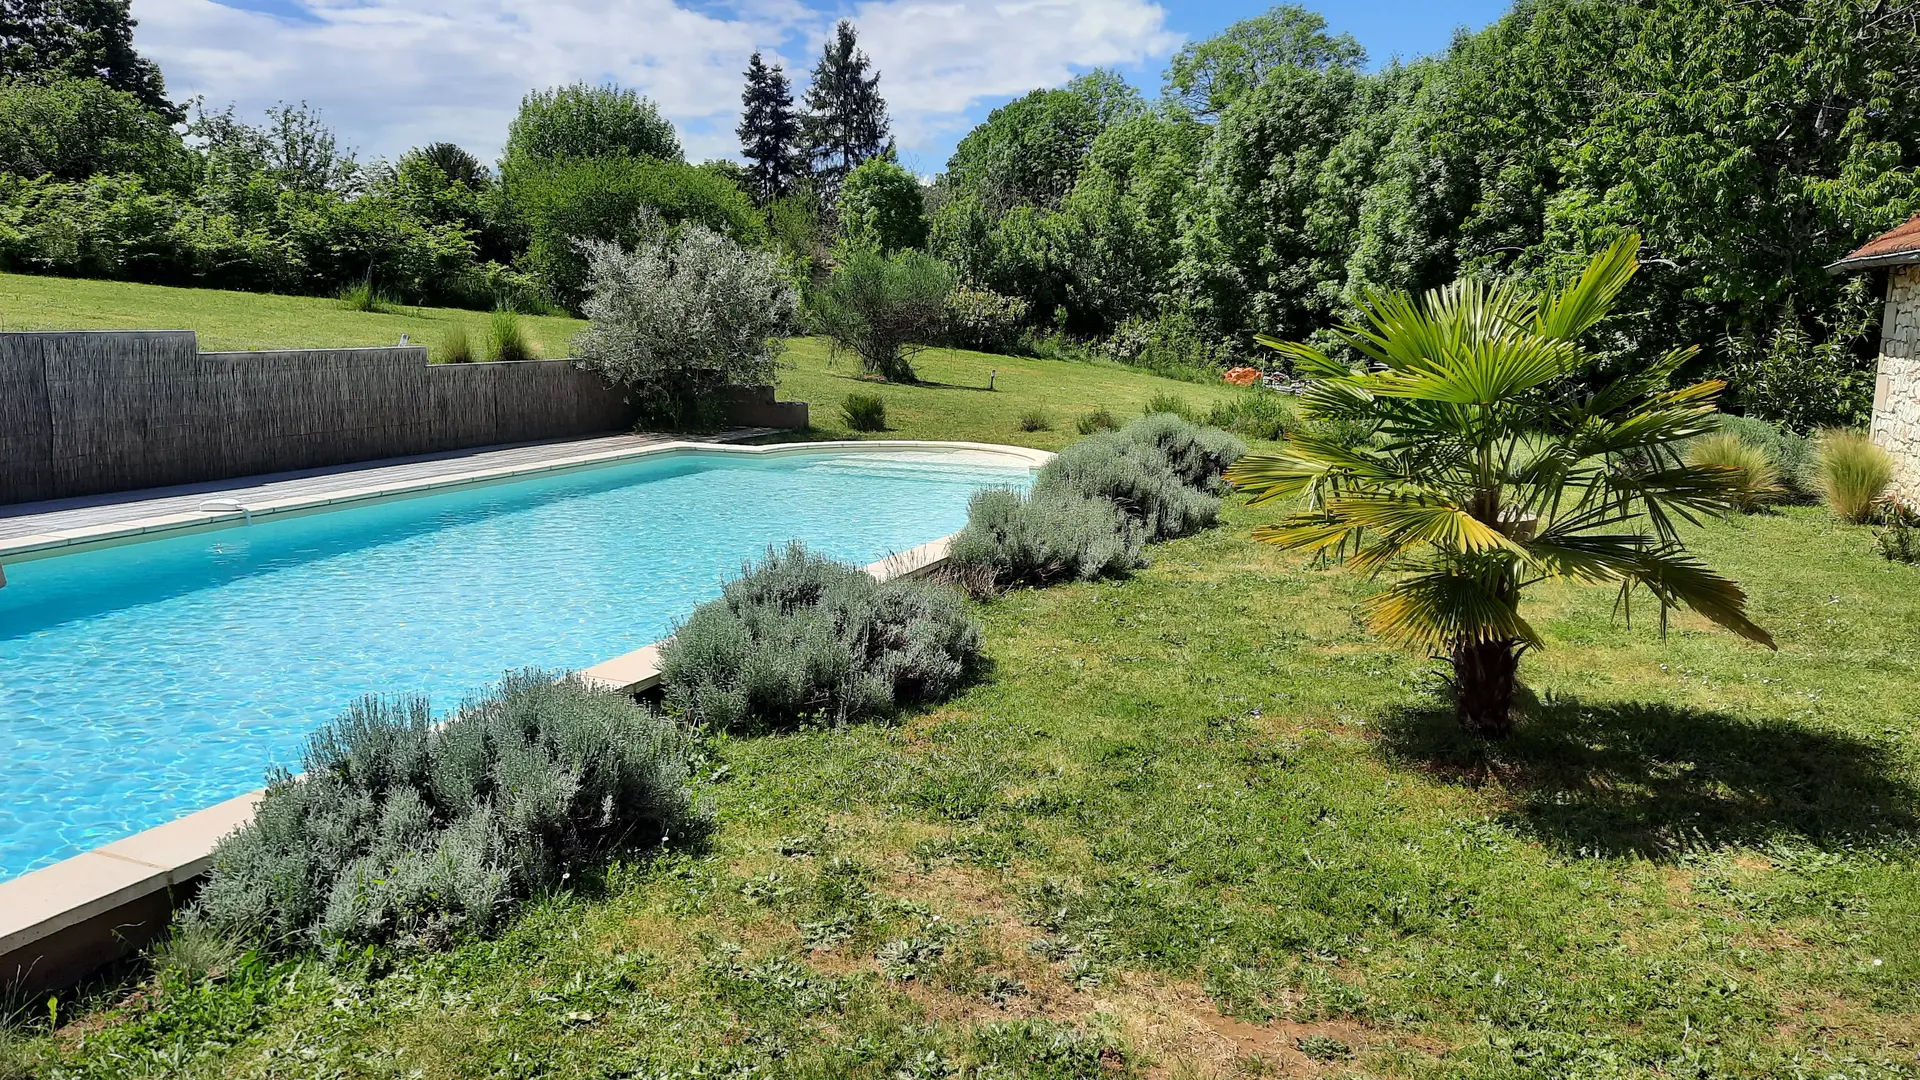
{"x": 1243, "y": 376}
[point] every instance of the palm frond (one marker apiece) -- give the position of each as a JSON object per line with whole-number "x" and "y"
{"x": 1442, "y": 609}
{"x": 1308, "y": 533}
{"x": 1418, "y": 518}
{"x": 1676, "y": 578}
{"x": 1266, "y": 477}
{"x": 1306, "y": 359}
{"x": 1494, "y": 369}
{"x": 1580, "y": 306}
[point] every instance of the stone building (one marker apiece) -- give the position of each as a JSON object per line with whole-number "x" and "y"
{"x": 1896, "y": 390}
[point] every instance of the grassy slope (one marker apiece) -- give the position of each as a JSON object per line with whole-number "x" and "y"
{"x": 953, "y": 402}
{"x": 240, "y": 321}
{"x": 1199, "y": 824}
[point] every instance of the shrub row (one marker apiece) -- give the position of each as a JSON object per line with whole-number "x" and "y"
{"x": 406, "y": 833}
{"x": 403, "y": 832}
{"x": 1095, "y": 505}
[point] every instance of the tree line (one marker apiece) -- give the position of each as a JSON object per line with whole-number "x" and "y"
{"x": 1277, "y": 181}
{"x": 103, "y": 175}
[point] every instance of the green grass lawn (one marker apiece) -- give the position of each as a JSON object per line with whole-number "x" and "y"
{"x": 1200, "y": 824}
{"x": 952, "y": 402}
{"x": 236, "y": 321}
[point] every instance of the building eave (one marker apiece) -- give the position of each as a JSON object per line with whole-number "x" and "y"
{"x": 1875, "y": 262}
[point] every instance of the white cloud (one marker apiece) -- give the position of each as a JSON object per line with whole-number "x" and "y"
{"x": 389, "y": 74}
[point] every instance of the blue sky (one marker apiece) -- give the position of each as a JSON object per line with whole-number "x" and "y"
{"x": 389, "y": 74}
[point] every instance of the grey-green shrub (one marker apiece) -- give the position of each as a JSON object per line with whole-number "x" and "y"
{"x": 399, "y": 831}
{"x": 1095, "y": 505}
{"x": 803, "y": 638}
{"x": 1137, "y": 477}
{"x": 1199, "y": 454}
{"x": 1013, "y": 539}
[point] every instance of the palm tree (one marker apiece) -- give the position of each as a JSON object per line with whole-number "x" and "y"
{"x": 1497, "y": 457}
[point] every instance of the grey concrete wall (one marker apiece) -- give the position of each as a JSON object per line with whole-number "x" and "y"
{"x": 85, "y": 413}
{"x": 1896, "y": 390}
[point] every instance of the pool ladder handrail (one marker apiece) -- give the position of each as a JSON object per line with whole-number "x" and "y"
{"x": 227, "y": 506}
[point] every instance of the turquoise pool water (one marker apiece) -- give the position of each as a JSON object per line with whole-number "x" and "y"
{"x": 144, "y": 682}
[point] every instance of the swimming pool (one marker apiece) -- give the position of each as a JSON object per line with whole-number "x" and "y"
{"x": 143, "y": 682}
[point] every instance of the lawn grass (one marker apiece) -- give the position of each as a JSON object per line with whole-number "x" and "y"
{"x": 951, "y": 402}
{"x": 240, "y": 321}
{"x": 1199, "y": 824}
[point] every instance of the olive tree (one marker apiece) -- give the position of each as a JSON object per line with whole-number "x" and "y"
{"x": 683, "y": 314}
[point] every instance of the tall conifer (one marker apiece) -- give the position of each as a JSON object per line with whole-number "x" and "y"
{"x": 846, "y": 118}
{"x": 769, "y": 131}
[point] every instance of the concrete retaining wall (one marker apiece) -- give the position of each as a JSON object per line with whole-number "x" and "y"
{"x": 1896, "y": 390}
{"x": 93, "y": 412}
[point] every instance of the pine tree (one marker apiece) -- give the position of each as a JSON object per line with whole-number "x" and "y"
{"x": 44, "y": 40}
{"x": 846, "y": 118}
{"x": 769, "y": 130}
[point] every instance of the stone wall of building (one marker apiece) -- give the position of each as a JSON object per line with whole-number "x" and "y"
{"x": 1896, "y": 390}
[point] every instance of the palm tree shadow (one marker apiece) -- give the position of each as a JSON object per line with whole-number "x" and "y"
{"x": 1657, "y": 780}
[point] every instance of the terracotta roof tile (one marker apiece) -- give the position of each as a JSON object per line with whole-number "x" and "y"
{"x": 1900, "y": 246}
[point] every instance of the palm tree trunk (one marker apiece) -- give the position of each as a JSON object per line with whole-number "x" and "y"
{"x": 1486, "y": 675}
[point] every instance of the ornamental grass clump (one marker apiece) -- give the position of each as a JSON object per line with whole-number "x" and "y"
{"x": 1755, "y": 477}
{"x": 1035, "y": 420}
{"x": 801, "y": 638}
{"x": 1096, "y": 421}
{"x": 507, "y": 339}
{"x": 1495, "y": 457}
{"x": 864, "y": 412}
{"x": 402, "y": 832}
{"x": 1792, "y": 453}
{"x": 1257, "y": 413}
{"x": 1854, "y": 473}
{"x": 455, "y": 346}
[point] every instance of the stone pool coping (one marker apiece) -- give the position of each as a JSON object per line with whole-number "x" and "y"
{"x": 86, "y": 538}
{"x": 63, "y": 921}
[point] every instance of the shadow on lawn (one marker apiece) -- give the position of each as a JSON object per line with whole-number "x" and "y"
{"x": 1619, "y": 778}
